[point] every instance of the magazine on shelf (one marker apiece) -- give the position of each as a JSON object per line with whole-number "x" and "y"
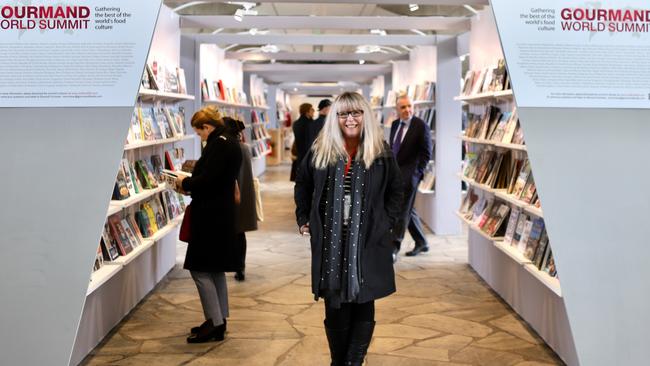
{"x": 534, "y": 238}
{"x": 541, "y": 250}
{"x": 523, "y": 240}
{"x": 512, "y": 225}
{"x": 118, "y": 232}
{"x": 109, "y": 245}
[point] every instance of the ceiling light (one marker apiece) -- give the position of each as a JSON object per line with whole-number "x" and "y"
{"x": 414, "y": 7}
{"x": 368, "y": 49}
{"x": 217, "y": 31}
{"x": 380, "y": 32}
{"x": 187, "y": 5}
{"x": 245, "y": 4}
{"x": 272, "y": 60}
{"x": 253, "y": 31}
{"x": 231, "y": 46}
{"x": 470, "y": 9}
{"x": 406, "y": 48}
{"x": 417, "y": 31}
{"x": 239, "y": 15}
{"x": 361, "y": 62}
{"x": 270, "y": 48}
{"x": 295, "y": 89}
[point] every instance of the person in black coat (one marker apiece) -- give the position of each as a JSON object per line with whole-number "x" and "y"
{"x": 213, "y": 232}
{"x": 317, "y": 125}
{"x": 246, "y": 210}
{"x": 301, "y": 129}
{"x": 348, "y": 196}
{"x": 410, "y": 139}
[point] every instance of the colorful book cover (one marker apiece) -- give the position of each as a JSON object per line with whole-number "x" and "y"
{"x": 148, "y": 124}
{"x": 523, "y": 241}
{"x": 133, "y": 240}
{"x": 110, "y": 249}
{"x": 119, "y": 234}
{"x": 512, "y": 225}
{"x": 534, "y": 238}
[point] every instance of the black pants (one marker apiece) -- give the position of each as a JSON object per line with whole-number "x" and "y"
{"x": 349, "y": 313}
{"x": 241, "y": 252}
{"x": 411, "y": 220}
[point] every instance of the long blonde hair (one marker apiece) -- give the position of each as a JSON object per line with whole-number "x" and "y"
{"x": 329, "y": 146}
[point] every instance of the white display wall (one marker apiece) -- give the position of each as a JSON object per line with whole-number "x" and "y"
{"x": 215, "y": 66}
{"x": 539, "y": 304}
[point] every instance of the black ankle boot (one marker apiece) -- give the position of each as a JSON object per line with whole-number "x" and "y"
{"x": 360, "y": 337}
{"x": 338, "y": 342}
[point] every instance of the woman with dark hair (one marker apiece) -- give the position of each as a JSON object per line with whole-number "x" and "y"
{"x": 246, "y": 210}
{"x": 348, "y": 196}
{"x": 213, "y": 234}
{"x": 301, "y": 130}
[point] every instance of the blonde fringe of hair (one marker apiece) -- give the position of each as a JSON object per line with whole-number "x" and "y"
{"x": 329, "y": 146}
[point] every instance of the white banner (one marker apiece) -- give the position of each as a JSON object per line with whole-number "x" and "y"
{"x": 577, "y": 53}
{"x": 73, "y": 54}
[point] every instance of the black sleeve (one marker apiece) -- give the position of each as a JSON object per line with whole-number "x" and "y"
{"x": 304, "y": 190}
{"x": 215, "y": 164}
{"x": 394, "y": 195}
{"x": 426, "y": 145}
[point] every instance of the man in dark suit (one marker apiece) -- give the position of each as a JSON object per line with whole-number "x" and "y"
{"x": 410, "y": 139}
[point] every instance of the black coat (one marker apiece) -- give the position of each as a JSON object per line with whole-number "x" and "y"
{"x": 213, "y": 242}
{"x": 301, "y": 130}
{"x": 382, "y": 210}
{"x": 414, "y": 152}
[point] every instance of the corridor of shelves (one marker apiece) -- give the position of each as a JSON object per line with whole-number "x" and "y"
{"x": 442, "y": 313}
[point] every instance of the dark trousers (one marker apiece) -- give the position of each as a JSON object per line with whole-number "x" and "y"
{"x": 411, "y": 220}
{"x": 349, "y": 313}
{"x": 241, "y": 252}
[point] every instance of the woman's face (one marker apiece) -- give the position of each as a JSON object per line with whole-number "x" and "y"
{"x": 203, "y": 131}
{"x": 351, "y": 123}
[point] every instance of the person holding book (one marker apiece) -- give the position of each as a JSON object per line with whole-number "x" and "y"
{"x": 348, "y": 196}
{"x": 213, "y": 225}
{"x": 410, "y": 139}
{"x": 246, "y": 210}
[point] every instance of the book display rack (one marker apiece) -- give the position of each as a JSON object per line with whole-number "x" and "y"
{"x": 508, "y": 244}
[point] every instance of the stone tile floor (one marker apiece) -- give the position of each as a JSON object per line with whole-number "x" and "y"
{"x": 442, "y": 313}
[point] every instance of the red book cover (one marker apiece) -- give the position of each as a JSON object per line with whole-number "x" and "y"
{"x": 221, "y": 90}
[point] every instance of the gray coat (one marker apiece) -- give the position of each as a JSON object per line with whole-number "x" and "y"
{"x": 247, "y": 211}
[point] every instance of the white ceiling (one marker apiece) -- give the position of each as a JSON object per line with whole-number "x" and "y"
{"x": 325, "y": 33}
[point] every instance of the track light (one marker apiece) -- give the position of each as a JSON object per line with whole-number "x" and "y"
{"x": 414, "y": 7}
{"x": 218, "y": 31}
{"x": 380, "y": 32}
{"x": 239, "y": 15}
{"x": 361, "y": 62}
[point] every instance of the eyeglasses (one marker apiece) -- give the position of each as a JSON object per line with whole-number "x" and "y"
{"x": 354, "y": 114}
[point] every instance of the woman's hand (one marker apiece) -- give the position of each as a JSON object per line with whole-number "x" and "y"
{"x": 304, "y": 230}
{"x": 179, "y": 184}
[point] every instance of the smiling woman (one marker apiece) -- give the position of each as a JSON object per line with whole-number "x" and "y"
{"x": 348, "y": 195}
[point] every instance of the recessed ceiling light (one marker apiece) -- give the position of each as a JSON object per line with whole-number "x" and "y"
{"x": 414, "y": 7}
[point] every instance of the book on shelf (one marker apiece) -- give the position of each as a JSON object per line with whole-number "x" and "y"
{"x": 512, "y": 225}
{"x": 130, "y": 234}
{"x": 529, "y": 192}
{"x": 519, "y": 229}
{"x": 510, "y": 128}
{"x": 499, "y": 76}
{"x": 118, "y": 232}
{"x": 490, "y": 79}
{"x": 109, "y": 245}
{"x": 182, "y": 82}
{"x": 494, "y": 225}
{"x": 523, "y": 240}
{"x": 99, "y": 258}
{"x": 148, "y": 124}
{"x": 533, "y": 239}
{"x": 468, "y": 203}
{"x": 522, "y": 179}
{"x": 541, "y": 250}
{"x": 126, "y": 172}
{"x": 120, "y": 190}
{"x": 428, "y": 181}
{"x": 487, "y": 212}
{"x": 152, "y": 83}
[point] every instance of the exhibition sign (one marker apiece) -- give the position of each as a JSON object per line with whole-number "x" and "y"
{"x": 582, "y": 54}
{"x": 73, "y": 54}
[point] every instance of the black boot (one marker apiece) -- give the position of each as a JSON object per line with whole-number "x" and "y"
{"x": 360, "y": 337}
{"x": 338, "y": 342}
